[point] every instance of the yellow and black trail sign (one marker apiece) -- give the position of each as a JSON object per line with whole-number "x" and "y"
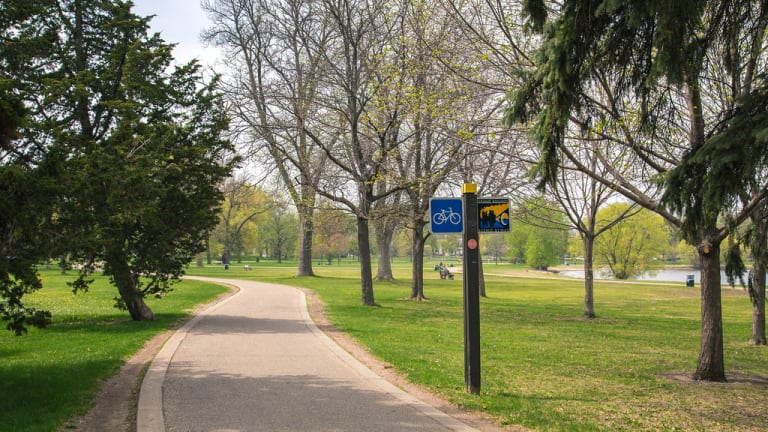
{"x": 493, "y": 214}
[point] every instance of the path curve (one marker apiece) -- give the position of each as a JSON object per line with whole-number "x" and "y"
{"x": 257, "y": 362}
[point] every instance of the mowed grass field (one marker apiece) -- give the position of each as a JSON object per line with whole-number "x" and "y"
{"x": 544, "y": 366}
{"x": 51, "y": 375}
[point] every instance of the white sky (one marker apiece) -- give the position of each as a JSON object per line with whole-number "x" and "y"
{"x": 180, "y": 22}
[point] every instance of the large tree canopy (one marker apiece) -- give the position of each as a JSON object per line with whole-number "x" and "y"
{"x": 27, "y": 184}
{"x": 136, "y": 143}
{"x": 682, "y": 81}
{"x": 723, "y": 170}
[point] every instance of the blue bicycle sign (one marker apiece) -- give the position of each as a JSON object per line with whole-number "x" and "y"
{"x": 446, "y": 215}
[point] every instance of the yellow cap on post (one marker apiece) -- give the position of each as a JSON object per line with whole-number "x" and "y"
{"x": 468, "y": 188}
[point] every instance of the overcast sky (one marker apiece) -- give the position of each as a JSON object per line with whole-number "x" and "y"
{"x": 179, "y": 22}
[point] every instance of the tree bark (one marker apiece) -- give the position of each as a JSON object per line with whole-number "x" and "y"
{"x": 711, "y": 365}
{"x": 481, "y": 276}
{"x": 366, "y": 274}
{"x": 417, "y": 268}
{"x": 757, "y": 283}
{"x": 757, "y": 295}
{"x": 225, "y": 256}
{"x": 63, "y": 265}
{"x": 126, "y": 283}
{"x": 306, "y": 231}
{"x": 385, "y": 220}
{"x": 589, "y": 277}
{"x": 384, "y": 233}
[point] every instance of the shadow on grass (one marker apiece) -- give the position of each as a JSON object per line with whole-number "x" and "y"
{"x": 38, "y": 397}
{"x": 52, "y": 374}
{"x": 116, "y": 324}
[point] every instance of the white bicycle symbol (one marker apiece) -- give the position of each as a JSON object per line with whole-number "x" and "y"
{"x": 447, "y": 215}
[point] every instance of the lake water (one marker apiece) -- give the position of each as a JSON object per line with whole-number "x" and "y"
{"x": 670, "y": 275}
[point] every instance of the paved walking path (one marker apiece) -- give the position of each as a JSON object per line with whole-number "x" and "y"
{"x": 257, "y": 362}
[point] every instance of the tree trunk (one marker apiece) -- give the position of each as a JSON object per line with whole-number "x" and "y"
{"x": 63, "y": 264}
{"x": 125, "y": 281}
{"x": 225, "y": 257}
{"x": 384, "y": 234}
{"x": 757, "y": 283}
{"x": 589, "y": 277}
{"x": 481, "y": 275}
{"x": 306, "y": 231}
{"x": 199, "y": 259}
{"x": 711, "y": 366}
{"x": 757, "y": 295}
{"x": 417, "y": 268}
{"x": 366, "y": 276}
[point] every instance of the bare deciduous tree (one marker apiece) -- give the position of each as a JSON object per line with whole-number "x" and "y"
{"x": 277, "y": 52}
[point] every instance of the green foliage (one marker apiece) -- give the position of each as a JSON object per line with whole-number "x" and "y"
{"x": 715, "y": 175}
{"x": 735, "y": 268}
{"x": 575, "y": 245}
{"x": 630, "y": 247}
{"x": 12, "y": 113}
{"x": 27, "y": 174}
{"x": 333, "y": 229}
{"x": 145, "y": 153}
{"x": 243, "y": 210}
{"x": 537, "y": 13}
{"x": 280, "y": 232}
{"x": 635, "y": 42}
{"x": 119, "y": 156}
{"x": 538, "y": 236}
{"x": 25, "y": 196}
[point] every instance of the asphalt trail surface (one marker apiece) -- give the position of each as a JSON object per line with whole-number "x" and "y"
{"x": 257, "y": 362}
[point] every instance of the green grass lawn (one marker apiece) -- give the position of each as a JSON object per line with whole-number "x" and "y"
{"x": 50, "y": 375}
{"x": 543, "y": 365}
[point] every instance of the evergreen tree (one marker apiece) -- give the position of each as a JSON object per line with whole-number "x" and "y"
{"x": 138, "y": 145}
{"x": 26, "y": 186}
{"x": 658, "y": 56}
